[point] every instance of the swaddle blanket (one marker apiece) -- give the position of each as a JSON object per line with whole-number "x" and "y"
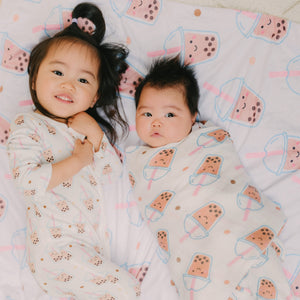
{"x": 213, "y": 226}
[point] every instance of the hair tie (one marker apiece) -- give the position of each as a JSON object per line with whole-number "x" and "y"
{"x": 85, "y": 25}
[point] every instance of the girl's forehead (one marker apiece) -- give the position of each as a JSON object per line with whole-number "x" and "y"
{"x": 72, "y": 46}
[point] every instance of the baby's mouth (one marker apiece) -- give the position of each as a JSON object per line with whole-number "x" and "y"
{"x": 155, "y": 134}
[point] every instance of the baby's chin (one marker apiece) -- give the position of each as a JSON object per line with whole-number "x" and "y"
{"x": 162, "y": 143}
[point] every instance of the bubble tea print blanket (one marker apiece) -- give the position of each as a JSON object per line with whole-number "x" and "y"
{"x": 216, "y": 230}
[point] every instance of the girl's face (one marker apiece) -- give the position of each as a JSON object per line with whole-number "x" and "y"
{"x": 163, "y": 116}
{"x": 67, "y": 80}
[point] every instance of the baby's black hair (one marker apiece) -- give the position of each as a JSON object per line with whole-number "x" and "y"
{"x": 171, "y": 72}
{"x": 112, "y": 58}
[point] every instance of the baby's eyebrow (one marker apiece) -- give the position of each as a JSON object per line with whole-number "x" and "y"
{"x": 143, "y": 107}
{"x": 57, "y": 62}
{"x": 173, "y": 107}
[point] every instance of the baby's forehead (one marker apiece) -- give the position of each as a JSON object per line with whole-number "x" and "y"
{"x": 162, "y": 89}
{"x": 165, "y": 85}
{"x": 162, "y": 99}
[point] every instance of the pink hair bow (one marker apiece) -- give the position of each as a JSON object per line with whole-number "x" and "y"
{"x": 85, "y": 25}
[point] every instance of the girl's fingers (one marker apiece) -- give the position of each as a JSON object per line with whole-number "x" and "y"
{"x": 69, "y": 122}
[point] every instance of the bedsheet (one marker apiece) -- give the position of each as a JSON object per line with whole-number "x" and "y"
{"x": 289, "y": 9}
{"x": 248, "y": 67}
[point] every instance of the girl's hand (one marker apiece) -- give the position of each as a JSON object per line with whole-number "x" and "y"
{"x": 83, "y": 123}
{"x": 87, "y": 125}
{"x": 63, "y": 170}
{"x": 83, "y": 151}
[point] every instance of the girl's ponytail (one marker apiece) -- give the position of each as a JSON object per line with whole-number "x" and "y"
{"x": 113, "y": 65}
{"x": 93, "y": 14}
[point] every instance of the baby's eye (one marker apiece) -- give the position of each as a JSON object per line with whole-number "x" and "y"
{"x": 147, "y": 114}
{"x": 82, "y": 80}
{"x": 170, "y": 115}
{"x": 58, "y": 73}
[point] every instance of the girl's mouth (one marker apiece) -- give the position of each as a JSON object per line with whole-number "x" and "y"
{"x": 64, "y": 98}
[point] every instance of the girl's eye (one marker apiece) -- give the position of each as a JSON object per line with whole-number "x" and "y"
{"x": 83, "y": 80}
{"x": 147, "y": 114}
{"x": 170, "y": 115}
{"x": 58, "y": 73}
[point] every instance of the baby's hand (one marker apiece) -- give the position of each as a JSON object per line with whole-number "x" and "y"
{"x": 88, "y": 126}
{"x": 84, "y": 152}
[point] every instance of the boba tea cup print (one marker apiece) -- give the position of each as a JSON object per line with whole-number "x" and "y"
{"x": 246, "y": 61}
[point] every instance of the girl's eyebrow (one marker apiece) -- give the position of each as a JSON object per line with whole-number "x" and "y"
{"x": 58, "y": 62}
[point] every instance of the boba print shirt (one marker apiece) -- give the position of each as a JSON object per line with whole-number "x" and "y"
{"x": 67, "y": 236}
{"x": 212, "y": 224}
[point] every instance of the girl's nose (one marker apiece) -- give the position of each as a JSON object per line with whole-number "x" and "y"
{"x": 68, "y": 84}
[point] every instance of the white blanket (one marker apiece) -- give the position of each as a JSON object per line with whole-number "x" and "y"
{"x": 244, "y": 58}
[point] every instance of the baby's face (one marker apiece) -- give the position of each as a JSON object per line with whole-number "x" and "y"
{"x": 163, "y": 116}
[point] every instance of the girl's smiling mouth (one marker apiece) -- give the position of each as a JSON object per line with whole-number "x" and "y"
{"x": 63, "y": 98}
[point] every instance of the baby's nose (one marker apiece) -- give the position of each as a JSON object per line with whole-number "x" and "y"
{"x": 156, "y": 123}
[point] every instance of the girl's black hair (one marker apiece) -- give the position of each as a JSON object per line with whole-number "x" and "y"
{"x": 113, "y": 64}
{"x": 171, "y": 72}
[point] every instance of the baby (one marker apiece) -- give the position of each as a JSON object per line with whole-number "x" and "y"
{"x": 216, "y": 231}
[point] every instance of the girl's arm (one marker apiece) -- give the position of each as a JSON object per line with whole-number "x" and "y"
{"x": 87, "y": 125}
{"x": 67, "y": 168}
{"x": 29, "y": 159}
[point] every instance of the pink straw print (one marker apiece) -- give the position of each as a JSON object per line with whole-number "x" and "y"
{"x": 10, "y": 248}
{"x": 249, "y": 14}
{"x": 25, "y": 103}
{"x": 47, "y": 27}
{"x": 264, "y": 154}
{"x": 151, "y": 217}
{"x": 151, "y": 179}
{"x": 296, "y": 179}
{"x": 132, "y": 128}
{"x": 216, "y": 92}
{"x": 201, "y": 146}
{"x": 163, "y": 52}
{"x": 240, "y": 256}
{"x": 281, "y": 74}
{"x": 203, "y": 176}
{"x": 188, "y": 233}
{"x": 247, "y": 211}
{"x": 192, "y": 289}
{"x": 125, "y": 205}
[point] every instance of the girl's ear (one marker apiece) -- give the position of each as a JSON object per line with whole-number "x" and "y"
{"x": 194, "y": 118}
{"x": 94, "y": 101}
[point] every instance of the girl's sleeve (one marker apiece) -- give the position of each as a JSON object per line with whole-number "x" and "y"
{"x": 107, "y": 163}
{"x": 25, "y": 152}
